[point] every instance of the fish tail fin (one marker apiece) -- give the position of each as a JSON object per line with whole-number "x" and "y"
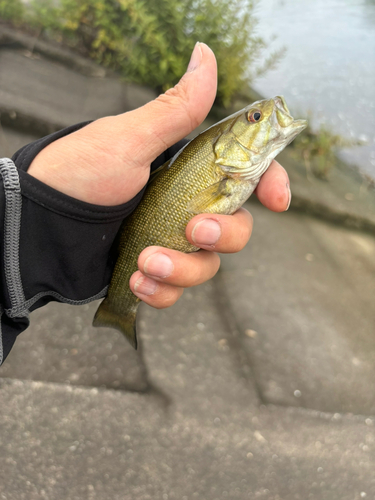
{"x": 107, "y": 316}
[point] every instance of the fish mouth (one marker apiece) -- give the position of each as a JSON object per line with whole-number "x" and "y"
{"x": 281, "y": 104}
{"x": 286, "y": 121}
{"x": 295, "y": 128}
{"x": 288, "y": 134}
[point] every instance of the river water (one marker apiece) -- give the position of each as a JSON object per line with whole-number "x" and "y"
{"x": 328, "y": 68}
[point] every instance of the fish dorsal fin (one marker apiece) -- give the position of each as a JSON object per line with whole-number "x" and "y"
{"x": 158, "y": 171}
{"x": 167, "y": 165}
{"x": 207, "y": 200}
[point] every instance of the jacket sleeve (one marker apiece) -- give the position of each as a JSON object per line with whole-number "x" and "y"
{"x": 53, "y": 247}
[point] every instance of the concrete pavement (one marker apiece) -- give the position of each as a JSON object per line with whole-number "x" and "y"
{"x": 258, "y": 384}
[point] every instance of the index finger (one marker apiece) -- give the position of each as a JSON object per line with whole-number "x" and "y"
{"x": 234, "y": 231}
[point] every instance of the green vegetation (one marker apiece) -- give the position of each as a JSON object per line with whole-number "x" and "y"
{"x": 11, "y": 10}
{"x": 318, "y": 149}
{"x": 150, "y": 42}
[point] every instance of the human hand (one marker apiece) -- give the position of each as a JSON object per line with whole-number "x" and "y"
{"x": 164, "y": 273}
{"x": 108, "y": 162}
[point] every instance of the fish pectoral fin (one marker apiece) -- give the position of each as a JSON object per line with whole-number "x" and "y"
{"x": 209, "y": 199}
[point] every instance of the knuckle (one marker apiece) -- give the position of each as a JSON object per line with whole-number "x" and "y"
{"x": 217, "y": 263}
{"x": 242, "y": 241}
{"x": 194, "y": 276}
{"x": 177, "y": 98}
{"x": 244, "y": 231}
{"x": 237, "y": 240}
{"x": 204, "y": 268}
{"x": 167, "y": 297}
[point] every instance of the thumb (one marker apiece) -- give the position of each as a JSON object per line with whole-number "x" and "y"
{"x": 108, "y": 161}
{"x": 173, "y": 115}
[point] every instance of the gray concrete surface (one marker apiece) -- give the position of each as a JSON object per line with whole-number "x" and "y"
{"x": 346, "y": 197}
{"x": 47, "y": 92}
{"x": 59, "y": 442}
{"x": 62, "y": 346}
{"x": 43, "y": 95}
{"x": 33, "y": 45}
{"x": 12, "y": 140}
{"x": 200, "y": 433}
{"x": 302, "y": 295}
{"x": 258, "y": 384}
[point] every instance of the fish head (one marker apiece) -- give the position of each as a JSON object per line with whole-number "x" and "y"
{"x": 252, "y": 137}
{"x": 267, "y": 125}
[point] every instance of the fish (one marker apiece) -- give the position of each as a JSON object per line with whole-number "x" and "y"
{"x": 216, "y": 172}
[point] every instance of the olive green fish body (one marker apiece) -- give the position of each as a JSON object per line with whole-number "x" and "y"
{"x": 215, "y": 173}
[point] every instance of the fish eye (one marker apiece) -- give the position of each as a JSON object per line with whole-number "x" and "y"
{"x": 254, "y": 116}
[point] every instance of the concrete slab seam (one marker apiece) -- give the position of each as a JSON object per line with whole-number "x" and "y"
{"x": 55, "y": 53}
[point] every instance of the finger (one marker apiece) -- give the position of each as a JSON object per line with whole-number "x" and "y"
{"x": 177, "y": 268}
{"x": 221, "y": 233}
{"x": 158, "y": 295}
{"x": 173, "y": 115}
{"x": 273, "y": 190}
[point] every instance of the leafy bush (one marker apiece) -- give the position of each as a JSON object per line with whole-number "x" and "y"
{"x": 318, "y": 149}
{"x": 11, "y": 10}
{"x": 150, "y": 41}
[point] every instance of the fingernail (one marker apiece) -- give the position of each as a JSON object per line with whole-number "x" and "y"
{"x": 158, "y": 265}
{"x": 195, "y": 59}
{"x": 206, "y": 232}
{"x": 290, "y": 196}
{"x": 145, "y": 286}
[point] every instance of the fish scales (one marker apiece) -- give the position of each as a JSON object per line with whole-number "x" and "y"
{"x": 214, "y": 173}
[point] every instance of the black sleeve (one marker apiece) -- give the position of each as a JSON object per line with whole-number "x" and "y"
{"x": 53, "y": 247}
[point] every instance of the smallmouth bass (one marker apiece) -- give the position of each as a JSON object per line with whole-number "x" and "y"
{"x": 214, "y": 173}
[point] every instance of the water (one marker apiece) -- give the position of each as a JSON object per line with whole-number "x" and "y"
{"x": 328, "y": 68}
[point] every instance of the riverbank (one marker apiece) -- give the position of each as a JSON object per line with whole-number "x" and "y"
{"x": 257, "y": 384}
{"x": 346, "y": 198}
